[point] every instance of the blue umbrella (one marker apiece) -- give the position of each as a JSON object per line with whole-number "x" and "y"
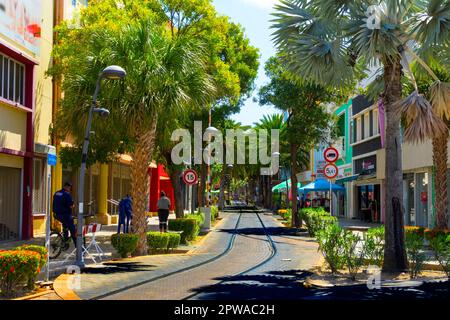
{"x": 321, "y": 185}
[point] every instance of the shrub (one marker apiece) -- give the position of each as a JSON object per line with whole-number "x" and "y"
{"x": 416, "y": 257}
{"x": 432, "y": 233}
{"x": 412, "y": 229}
{"x": 374, "y": 245}
{"x": 174, "y": 241}
{"x": 17, "y": 267}
{"x": 42, "y": 251}
{"x": 352, "y": 255}
{"x": 199, "y": 216}
{"x": 124, "y": 243}
{"x": 214, "y": 213}
{"x": 157, "y": 241}
{"x": 316, "y": 219}
{"x": 440, "y": 245}
{"x": 189, "y": 227}
{"x": 330, "y": 245}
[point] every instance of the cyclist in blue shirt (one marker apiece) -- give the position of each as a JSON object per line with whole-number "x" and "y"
{"x": 62, "y": 208}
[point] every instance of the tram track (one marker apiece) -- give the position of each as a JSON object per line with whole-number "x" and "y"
{"x": 216, "y": 258}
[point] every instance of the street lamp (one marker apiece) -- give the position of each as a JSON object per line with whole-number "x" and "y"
{"x": 111, "y": 73}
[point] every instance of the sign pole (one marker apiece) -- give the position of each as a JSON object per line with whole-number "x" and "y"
{"x": 51, "y": 161}
{"x": 331, "y": 199}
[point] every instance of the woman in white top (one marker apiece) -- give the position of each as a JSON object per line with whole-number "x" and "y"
{"x": 163, "y": 211}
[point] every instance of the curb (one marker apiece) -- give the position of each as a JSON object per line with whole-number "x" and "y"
{"x": 200, "y": 243}
{"x": 62, "y": 289}
{"x": 35, "y": 295}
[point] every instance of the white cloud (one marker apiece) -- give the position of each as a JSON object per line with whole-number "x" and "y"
{"x": 265, "y": 4}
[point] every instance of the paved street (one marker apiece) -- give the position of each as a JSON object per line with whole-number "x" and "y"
{"x": 178, "y": 276}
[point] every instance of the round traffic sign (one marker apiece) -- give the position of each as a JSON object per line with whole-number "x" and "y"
{"x": 331, "y": 154}
{"x": 330, "y": 171}
{"x": 190, "y": 177}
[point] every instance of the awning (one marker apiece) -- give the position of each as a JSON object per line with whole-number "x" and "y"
{"x": 321, "y": 185}
{"x": 347, "y": 179}
{"x": 281, "y": 187}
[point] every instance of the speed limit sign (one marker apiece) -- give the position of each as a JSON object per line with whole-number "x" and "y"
{"x": 330, "y": 171}
{"x": 190, "y": 177}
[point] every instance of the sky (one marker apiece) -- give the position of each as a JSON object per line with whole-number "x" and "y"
{"x": 254, "y": 16}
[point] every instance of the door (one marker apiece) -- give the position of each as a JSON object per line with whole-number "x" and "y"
{"x": 9, "y": 203}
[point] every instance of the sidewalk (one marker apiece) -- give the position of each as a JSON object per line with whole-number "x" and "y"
{"x": 103, "y": 238}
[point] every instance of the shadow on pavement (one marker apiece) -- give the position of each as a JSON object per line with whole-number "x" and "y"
{"x": 273, "y": 231}
{"x": 286, "y": 285}
{"x": 111, "y": 267}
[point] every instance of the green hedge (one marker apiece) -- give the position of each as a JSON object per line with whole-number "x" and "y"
{"x": 124, "y": 243}
{"x": 190, "y": 228}
{"x": 157, "y": 241}
{"x": 214, "y": 213}
{"x": 199, "y": 216}
{"x": 316, "y": 219}
{"x": 174, "y": 241}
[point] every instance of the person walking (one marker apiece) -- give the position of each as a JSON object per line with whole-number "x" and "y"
{"x": 163, "y": 211}
{"x": 62, "y": 209}
{"x": 125, "y": 213}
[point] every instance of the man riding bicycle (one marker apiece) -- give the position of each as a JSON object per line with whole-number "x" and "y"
{"x": 62, "y": 208}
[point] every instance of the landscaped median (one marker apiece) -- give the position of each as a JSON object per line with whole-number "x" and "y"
{"x": 351, "y": 256}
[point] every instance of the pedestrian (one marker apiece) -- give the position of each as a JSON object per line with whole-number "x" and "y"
{"x": 163, "y": 211}
{"x": 62, "y": 209}
{"x": 125, "y": 213}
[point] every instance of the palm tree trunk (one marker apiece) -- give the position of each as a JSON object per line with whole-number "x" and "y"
{"x": 394, "y": 250}
{"x": 440, "y": 152}
{"x": 139, "y": 187}
{"x": 295, "y": 221}
{"x": 176, "y": 183}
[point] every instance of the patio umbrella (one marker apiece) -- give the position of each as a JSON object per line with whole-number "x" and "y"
{"x": 281, "y": 187}
{"x": 321, "y": 185}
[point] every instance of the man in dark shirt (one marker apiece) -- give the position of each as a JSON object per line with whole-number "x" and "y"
{"x": 125, "y": 213}
{"x": 62, "y": 208}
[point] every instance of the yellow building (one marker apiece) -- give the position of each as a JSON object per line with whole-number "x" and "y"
{"x": 26, "y": 40}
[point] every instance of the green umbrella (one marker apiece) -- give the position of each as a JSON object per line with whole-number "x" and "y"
{"x": 282, "y": 186}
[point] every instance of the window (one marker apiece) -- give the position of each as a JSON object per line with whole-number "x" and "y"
{"x": 12, "y": 80}
{"x": 39, "y": 187}
{"x": 376, "y": 129}
{"x": 366, "y": 118}
{"x": 358, "y": 129}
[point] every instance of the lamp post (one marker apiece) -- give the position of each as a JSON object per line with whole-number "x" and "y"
{"x": 210, "y": 130}
{"x": 111, "y": 73}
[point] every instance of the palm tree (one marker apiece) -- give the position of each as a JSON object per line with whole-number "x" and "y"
{"x": 328, "y": 41}
{"x": 269, "y": 122}
{"x": 164, "y": 75}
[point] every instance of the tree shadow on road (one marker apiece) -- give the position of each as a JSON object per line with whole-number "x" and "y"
{"x": 287, "y": 285}
{"x": 119, "y": 267}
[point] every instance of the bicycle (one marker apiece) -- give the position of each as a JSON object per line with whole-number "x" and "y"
{"x": 58, "y": 244}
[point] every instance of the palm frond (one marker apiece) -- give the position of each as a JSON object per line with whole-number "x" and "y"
{"x": 440, "y": 99}
{"x": 421, "y": 122}
{"x": 431, "y": 25}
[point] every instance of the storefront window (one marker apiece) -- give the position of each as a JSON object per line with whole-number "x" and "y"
{"x": 369, "y": 202}
{"x": 422, "y": 199}
{"x": 410, "y": 213}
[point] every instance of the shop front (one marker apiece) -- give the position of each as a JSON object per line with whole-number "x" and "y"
{"x": 416, "y": 200}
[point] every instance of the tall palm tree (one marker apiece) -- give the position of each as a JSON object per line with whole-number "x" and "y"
{"x": 164, "y": 74}
{"x": 327, "y": 41}
{"x": 269, "y": 122}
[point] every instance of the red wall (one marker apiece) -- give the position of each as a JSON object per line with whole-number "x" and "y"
{"x": 157, "y": 185}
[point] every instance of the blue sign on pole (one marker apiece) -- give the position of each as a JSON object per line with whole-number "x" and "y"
{"x": 51, "y": 159}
